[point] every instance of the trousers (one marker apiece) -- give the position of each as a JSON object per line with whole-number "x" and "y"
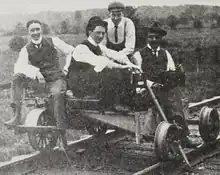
{"x": 56, "y": 89}
{"x": 171, "y": 104}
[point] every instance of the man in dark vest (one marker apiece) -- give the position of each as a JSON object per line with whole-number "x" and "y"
{"x": 90, "y": 60}
{"x": 39, "y": 58}
{"x": 157, "y": 62}
{"x": 121, "y": 30}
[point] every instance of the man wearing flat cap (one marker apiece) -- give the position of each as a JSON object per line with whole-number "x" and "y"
{"x": 90, "y": 59}
{"x": 121, "y": 30}
{"x": 157, "y": 62}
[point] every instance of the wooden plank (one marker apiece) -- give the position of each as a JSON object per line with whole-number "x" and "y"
{"x": 206, "y": 101}
{"x": 125, "y": 121}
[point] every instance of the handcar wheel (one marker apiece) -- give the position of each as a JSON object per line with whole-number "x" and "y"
{"x": 209, "y": 124}
{"x": 96, "y": 129}
{"x": 42, "y": 140}
{"x": 165, "y": 141}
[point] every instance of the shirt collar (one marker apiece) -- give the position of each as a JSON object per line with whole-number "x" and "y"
{"x": 158, "y": 48}
{"x": 91, "y": 40}
{"x": 120, "y": 23}
{"x": 37, "y": 42}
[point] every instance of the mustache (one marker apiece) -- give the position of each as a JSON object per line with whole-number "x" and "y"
{"x": 36, "y": 34}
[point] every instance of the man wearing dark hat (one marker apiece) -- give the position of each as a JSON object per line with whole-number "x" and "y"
{"x": 39, "y": 58}
{"x": 121, "y": 30}
{"x": 157, "y": 62}
{"x": 90, "y": 59}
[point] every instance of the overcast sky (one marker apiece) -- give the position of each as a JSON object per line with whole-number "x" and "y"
{"x": 33, "y": 6}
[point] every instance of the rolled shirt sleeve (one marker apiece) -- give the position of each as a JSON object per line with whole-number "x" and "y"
{"x": 22, "y": 65}
{"x": 114, "y": 55}
{"x": 66, "y": 49}
{"x": 137, "y": 59}
{"x": 170, "y": 62}
{"x": 83, "y": 54}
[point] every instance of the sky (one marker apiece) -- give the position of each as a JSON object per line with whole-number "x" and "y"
{"x": 34, "y": 6}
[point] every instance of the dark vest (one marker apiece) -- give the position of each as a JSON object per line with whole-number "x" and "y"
{"x": 82, "y": 79}
{"x": 46, "y": 59}
{"x": 152, "y": 65}
{"x": 116, "y": 47}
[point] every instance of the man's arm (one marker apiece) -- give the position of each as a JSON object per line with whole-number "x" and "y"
{"x": 129, "y": 38}
{"x": 22, "y": 66}
{"x": 137, "y": 59}
{"x": 65, "y": 48}
{"x": 83, "y": 54}
{"x": 170, "y": 62}
{"x": 114, "y": 55}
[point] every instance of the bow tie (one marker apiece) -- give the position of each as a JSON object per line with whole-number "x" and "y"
{"x": 38, "y": 45}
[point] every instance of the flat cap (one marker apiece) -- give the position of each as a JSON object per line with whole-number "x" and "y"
{"x": 116, "y": 5}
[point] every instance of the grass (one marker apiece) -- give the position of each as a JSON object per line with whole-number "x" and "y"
{"x": 199, "y": 85}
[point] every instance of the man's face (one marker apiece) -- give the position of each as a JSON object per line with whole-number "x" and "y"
{"x": 154, "y": 39}
{"x": 35, "y": 31}
{"x": 116, "y": 16}
{"x": 98, "y": 34}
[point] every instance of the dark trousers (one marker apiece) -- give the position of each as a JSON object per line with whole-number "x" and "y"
{"x": 171, "y": 103}
{"x": 56, "y": 90}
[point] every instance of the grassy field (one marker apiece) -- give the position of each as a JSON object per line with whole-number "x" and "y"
{"x": 199, "y": 85}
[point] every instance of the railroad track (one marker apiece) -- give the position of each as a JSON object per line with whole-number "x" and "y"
{"x": 178, "y": 167}
{"x": 30, "y": 163}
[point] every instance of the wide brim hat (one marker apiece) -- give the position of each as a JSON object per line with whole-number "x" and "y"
{"x": 155, "y": 28}
{"x": 116, "y": 5}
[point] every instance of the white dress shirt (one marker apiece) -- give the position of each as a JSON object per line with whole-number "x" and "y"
{"x": 170, "y": 63}
{"x": 22, "y": 64}
{"x": 126, "y": 31}
{"x": 83, "y": 54}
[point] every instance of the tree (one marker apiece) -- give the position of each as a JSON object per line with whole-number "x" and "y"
{"x": 129, "y": 11}
{"x": 64, "y": 27}
{"x": 197, "y": 24}
{"x": 45, "y": 28}
{"x": 172, "y": 21}
{"x": 183, "y": 19}
{"x": 77, "y": 27}
{"x": 17, "y": 42}
{"x": 20, "y": 29}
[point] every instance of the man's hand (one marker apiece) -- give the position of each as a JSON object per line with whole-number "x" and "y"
{"x": 134, "y": 68}
{"x": 156, "y": 87}
{"x": 65, "y": 72}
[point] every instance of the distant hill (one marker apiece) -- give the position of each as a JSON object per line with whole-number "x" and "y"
{"x": 7, "y": 22}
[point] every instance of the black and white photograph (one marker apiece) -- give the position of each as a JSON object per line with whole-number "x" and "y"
{"x": 110, "y": 87}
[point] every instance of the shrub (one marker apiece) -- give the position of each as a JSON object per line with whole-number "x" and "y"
{"x": 17, "y": 42}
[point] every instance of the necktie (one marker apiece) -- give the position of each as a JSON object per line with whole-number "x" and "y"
{"x": 116, "y": 34}
{"x": 98, "y": 50}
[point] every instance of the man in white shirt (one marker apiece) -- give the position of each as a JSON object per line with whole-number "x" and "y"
{"x": 90, "y": 58}
{"x": 39, "y": 58}
{"x": 156, "y": 63}
{"x": 121, "y": 30}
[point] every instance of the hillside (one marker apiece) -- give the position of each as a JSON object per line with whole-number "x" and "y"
{"x": 53, "y": 17}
